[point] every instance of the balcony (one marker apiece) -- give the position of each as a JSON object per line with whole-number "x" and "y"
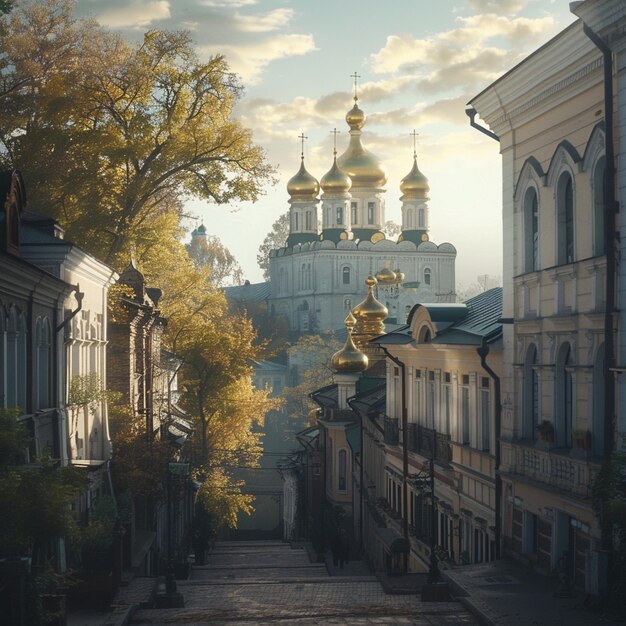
{"x": 555, "y": 467}
{"x": 392, "y": 436}
{"x": 422, "y": 440}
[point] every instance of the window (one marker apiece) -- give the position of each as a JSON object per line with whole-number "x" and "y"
{"x": 564, "y": 397}
{"x": 347, "y": 304}
{"x": 417, "y": 395}
{"x": 529, "y": 539}
{"x": 484, "y": 413}
{"x": 370, "y": 212}
{"x": 295, "y": 221}
{"x": 309, "y": 220}
{"x": 354, "y": 212}
{"x": 565, "y": 217}
{"x": 531, "y": 231}
{"x": 422, "y": 218}
{"x": 598, "y": 207}
{"x": 531, "y": 394}
{"x": 342, "y": 471}
{"x": 447, "y": 405}
{"x": 43, "y": 338}
{"x": 346, "y": 275}
{"x": 339, "y": 215}
{"x": 431, "y": 405}
{"x": 464, "y": 435}
{"x": 427, "y": 276}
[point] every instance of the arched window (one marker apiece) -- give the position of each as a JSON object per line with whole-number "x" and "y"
{"x": 422, "y": 218}
{"x": 43, "y": 339}
{"x": 531, "y": 231}
{"x": 347, "y": 304}
{"x": 564, "y": 397}
{"x": 339, "y": 215}
{"x": 345, "y": 273}
{"x": 427, "y": 276}
{"x": 309, "y": 220}
{"x": 295, "y": 221}
{"x": 565, "y": 220}
{"x": 354, "y": 212}
{"x": 21, "y": 362}
{"x": 303, "y": 276}
{"x": 531, "y": 394}
{"x": 598, "y": 404}
{"x": 370, "y": 212}
{"x": 342, "y": 470}
{"x": 423, "y": 335}
{"x": 598, "y": 207}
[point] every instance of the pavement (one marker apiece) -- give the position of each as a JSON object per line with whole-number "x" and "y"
{"x": 271, "y": 583}
{"x": 506, "y": 593}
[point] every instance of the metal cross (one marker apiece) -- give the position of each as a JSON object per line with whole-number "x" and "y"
{"x": 355, "y": 76}
{"x": 335, "y": 132}
{"x": 302, "y": 137}
{"x": 414, "y": 135}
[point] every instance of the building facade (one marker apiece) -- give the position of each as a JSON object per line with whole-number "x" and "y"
{"x": 563, "y": 401}
{"x": 317, "y": 276}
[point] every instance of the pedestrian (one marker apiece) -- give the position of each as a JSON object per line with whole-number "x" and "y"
{"x": 343, "y": 548}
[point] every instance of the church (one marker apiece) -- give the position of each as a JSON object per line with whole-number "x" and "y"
{"x": 317, "y": 277}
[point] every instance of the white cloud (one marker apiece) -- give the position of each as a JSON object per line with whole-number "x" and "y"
{"x": 250, "y": 59}
{"x": 502, "y": 7}
{"x": 459, "y": 45}
{"x": 263, "y": 23}
{"x": 227, "y": 4}
{"x": 135, "y": 14}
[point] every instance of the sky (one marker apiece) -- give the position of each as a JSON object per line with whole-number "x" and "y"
{"x": 419, "y": 62}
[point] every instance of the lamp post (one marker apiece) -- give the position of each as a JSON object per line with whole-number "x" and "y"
{"x": 172, "y": 598}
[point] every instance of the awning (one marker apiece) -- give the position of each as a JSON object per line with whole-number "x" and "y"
{"x": 393, "y": 540}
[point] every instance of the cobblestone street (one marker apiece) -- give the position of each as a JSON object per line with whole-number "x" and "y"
{"x": 271, "y": 583}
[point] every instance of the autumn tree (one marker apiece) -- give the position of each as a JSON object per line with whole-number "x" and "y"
{"x": 309, "y": 358}
{"x": 93, "y": 121}
{"x": 275, "y": 239}
{"x": 209, "y": 251}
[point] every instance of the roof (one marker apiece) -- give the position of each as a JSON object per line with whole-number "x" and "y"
{"x": 327, "y": 397}
{"x": 269, "y": 366}
{"x": 248, "y": 292}
{"x": 371, "y": 400}
{"x": 481, "y": 322}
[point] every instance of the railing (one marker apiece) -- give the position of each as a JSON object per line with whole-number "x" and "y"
{"x": 555, "y": 468}
{"x": 422, "y": 440}
{"x": 392, "y": 436}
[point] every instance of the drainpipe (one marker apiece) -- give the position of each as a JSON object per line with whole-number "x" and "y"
{"x": 611, "y": 207}
{"x": 405, "y": 450}
{"x": 79, "y": 295}
{"x": 471, "y": 112}
{"x": 483, "y": 351}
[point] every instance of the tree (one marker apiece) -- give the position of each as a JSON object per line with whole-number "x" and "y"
{"x": 208, "y": 250}
{"x": 392, "y": 229}
{"x": 93, "y": 121}
{"x": 276, "y": 238}
{"x": 310, "y": 360}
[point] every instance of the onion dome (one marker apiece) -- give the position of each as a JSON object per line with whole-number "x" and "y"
{"x": 414, "y": 182}
{"x": 370, "y": 310}
{"x": 303, "y": 186}
{"x": 386, "y": 276}
{"x": 355, "y": 118}
{"x": 399, "y": 276}
{"x": 349, "y": 360}
{"x": 360, "y": 164}
{"x": 335, "y": 181}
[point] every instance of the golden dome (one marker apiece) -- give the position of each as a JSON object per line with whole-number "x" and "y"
{"x": 303, "y": 186}
{"x": 335, "y": 180}
{"x": 370, "y": 310}
{"x": 360, "y": 164}
{"x": 414, "y": 181}
{"x": 349, "y": 359}
{"x": 386, "y": 276}
{"x": 355, "y": 118}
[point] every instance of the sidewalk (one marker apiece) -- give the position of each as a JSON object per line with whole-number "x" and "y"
{"x": 505, "y": 593}
{"x": 139, "y": 592}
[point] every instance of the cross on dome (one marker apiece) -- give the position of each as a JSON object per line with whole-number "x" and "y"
{"x": 335, "y": 132}
{"x": 414, "y": 134}
{"x": 355, "y": 76}
{"x": 302, "y": 137}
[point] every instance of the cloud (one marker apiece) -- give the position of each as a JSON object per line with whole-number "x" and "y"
{"x": 227, "y": 4}
{"x": 271, "y": 21}
{"x": 502, "y": 7}
{"x": 459, "y": 45}
{"x": 250, "y": 59}
{"x": 135, "y": 14}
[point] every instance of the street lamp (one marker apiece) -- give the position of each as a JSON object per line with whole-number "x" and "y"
{"x": 172, "y": 598}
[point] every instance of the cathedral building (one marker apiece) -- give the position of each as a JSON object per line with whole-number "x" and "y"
{"x": 317, "y": 277}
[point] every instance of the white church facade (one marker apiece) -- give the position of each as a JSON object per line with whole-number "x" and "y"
{"x": 318, "y": 276}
